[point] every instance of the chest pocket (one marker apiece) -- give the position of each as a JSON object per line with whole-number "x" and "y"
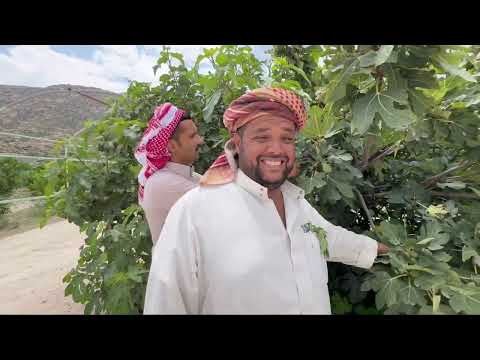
{"x": 317, "y": 263}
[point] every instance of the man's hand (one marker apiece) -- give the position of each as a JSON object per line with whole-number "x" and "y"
{"x": 382, "y": 249}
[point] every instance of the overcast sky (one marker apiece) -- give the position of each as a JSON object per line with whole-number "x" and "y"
{"x": 108, "y": 67}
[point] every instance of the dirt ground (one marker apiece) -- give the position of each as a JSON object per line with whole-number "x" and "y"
{"x": 32, "y": 265}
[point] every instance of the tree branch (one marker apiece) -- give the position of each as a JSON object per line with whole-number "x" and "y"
{"x": 462, "y": 195}
{"x": 366, "y": 150}
{"x": 433, "y": 179}
{"x": 389, "y": 150}
{"x": 364, "y": 206}
{"x": 447, "y": 194}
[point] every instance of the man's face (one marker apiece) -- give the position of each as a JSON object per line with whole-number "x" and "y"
{"x": 266, "y": 150}
{"x": 186, "y": 147}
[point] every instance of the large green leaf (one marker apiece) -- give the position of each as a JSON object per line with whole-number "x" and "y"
{"x": 468, "y": 304}
{"x": 468, "y": 252}
{"x": 338, "y": 86}
{"x": 427, "y": 281}
{"x": 409, "y": 59}
{"x": 344, "y": 188}
{"x": 375, "y": 281}
{"x": 411, "y": 295}
{"x": 320, "y": 122}
{"x": 331, "y": 194}
{"x": 308, "y": 184}
{"x": 420, "y": 102}
{"x": 450, "y": 64}
{"x": 389, "y": 293}
{"x": 211, "y": 103}
{"x": 421, "y": 78}
{"x": 376, "y": 58}
{"x": 386, "y": 106}
{"x": 398, "y": 261}
{"x": 394, "y": 78}
{"x": 433, "y": 229}
{"x": 408, "y": 193}
{"x": 392, "y": 232}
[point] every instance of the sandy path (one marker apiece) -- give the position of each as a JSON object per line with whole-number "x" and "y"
{"x": 32, "y": 265}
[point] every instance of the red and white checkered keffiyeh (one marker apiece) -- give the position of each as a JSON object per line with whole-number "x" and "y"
{"x": 152, "y": 152}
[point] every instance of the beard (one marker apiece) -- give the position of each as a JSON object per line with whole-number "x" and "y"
{"x": 256, "y": 174}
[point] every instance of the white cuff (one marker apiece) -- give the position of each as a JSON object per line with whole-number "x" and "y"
{"x": 368, "y": 253}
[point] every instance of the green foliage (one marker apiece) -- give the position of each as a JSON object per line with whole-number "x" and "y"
{"x": 391, "y": 150}
{"x": 415, "y": 151}
{"x": 13, "y": 175}
{"x": 321, "y": 235}
{"x": 110, "y": 276}
{"x": 96, "y": 188}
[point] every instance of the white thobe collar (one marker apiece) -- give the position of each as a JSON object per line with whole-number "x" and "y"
{"x": 180, "y": 169}
{"x": 261, "y": 192}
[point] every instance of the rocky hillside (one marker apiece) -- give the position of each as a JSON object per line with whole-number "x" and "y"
{"x": 52, "y": 112}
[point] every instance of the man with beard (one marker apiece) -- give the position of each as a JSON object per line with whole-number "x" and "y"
{"x": 167, "y": 151}
{"x": 239, "y": 243}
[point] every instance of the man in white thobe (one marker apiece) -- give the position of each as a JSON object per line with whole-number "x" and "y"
{"x": 237, "y": 244}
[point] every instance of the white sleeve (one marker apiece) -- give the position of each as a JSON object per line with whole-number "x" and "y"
{"x": 345, "y": 246}
{"x": 172, "y": 286}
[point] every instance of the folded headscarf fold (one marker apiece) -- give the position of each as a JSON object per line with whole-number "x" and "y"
{"x": 152, "y": 151}
{"x": 248, "y": 107}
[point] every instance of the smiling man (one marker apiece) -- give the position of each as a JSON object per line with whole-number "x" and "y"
{"x": 239, "y": 243}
